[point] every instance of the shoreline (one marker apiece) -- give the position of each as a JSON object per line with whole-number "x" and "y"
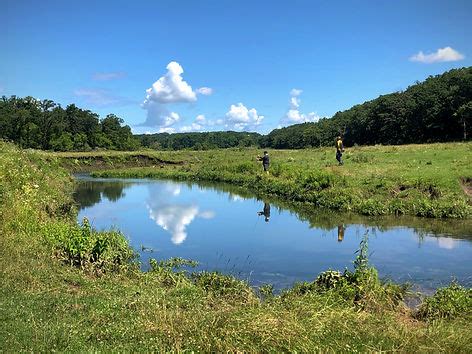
{"x": 419, "y": 180}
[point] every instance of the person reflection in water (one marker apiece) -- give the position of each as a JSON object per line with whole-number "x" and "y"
{"x": 265, "y": 212}
{"x": 341, "y": 229}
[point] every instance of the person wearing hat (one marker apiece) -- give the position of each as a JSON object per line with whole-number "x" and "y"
{"x": 339, "y": 150}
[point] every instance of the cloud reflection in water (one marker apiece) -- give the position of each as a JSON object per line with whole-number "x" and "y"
{"x": 173, "y": 216}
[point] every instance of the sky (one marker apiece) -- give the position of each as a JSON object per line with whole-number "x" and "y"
{"x": 176, "y": 66}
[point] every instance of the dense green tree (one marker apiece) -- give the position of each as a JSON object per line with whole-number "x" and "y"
{"x": 46, "y": 125}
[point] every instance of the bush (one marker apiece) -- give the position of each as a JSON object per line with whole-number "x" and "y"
{"x": 452, "y": 301}
{"x": 361, "y": 286}
{"x": 81, "y": 246}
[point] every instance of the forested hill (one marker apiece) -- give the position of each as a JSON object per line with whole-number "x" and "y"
{"x": 44, "y": 124}
{"x": 199, "y": 141}
{"x": 436, "y": 110}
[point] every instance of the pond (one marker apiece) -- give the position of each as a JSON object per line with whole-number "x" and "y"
{"x": 271, "y": 241}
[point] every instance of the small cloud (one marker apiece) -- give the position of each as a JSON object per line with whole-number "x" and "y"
{"x": 293, "y": 115}
{"x": 239, "y": 117}
{"x": 441, "y": 55}
{"x": 108, "y": 76}
{"x": 166, "y": 130}
{"x": 194, "y": 127}
{"x": 200, "y": 119}
{"x": 208, "y": 214}
{"x": 206, "y": 91}
{"x": 101, "y": 97}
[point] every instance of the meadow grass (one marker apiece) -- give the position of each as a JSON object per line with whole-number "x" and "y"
{"x": 66, "y": 287}
{"x": 427, "y": 180}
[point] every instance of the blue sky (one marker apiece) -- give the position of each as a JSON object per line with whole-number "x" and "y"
{"x": 247, "y": 65}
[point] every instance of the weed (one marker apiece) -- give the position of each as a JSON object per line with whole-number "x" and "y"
{"x": 81, "y": 246}
{"x": 449, "y": 302}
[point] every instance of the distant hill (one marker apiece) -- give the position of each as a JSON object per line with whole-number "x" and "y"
{"x": 199, "y": 141}
{"x": 436, "y": 110}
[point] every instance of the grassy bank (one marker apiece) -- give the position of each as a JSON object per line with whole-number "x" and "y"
{"x": 66, "y": 287}
{"x": 421, "y": 180}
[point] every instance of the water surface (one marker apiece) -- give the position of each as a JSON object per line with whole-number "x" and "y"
{"x": 270, "y": 241}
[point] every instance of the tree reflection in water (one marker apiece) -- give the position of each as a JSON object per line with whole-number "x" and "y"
{"x": 89, "y": 193}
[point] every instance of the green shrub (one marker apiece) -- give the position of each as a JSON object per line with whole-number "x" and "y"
{"x": 449, "y": 302}
{"x": 82, "y": 246}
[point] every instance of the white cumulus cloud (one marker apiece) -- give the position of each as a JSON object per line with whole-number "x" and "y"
{"x": 441, "y": 55}
{"x": 169, "y": 89}
{"x": 239, "y": 117}
{"x": 293, "y": 115}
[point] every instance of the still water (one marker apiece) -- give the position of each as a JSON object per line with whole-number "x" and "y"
{"x": 269, "y": 241}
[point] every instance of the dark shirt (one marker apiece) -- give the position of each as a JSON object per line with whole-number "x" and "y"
{"x": 265, "y": 159}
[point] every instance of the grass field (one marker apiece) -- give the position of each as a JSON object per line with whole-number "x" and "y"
{"x": 421, "y": 180}
{"x": 65, "y": 287}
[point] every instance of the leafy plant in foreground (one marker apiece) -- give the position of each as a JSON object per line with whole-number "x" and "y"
{"x": 449, "y": 302}
{"x": 82, "y": 246}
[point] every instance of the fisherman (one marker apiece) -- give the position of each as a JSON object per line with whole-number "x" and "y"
{"x": 339, "y": 150}
{"x": 265, "y": 212}
{"x": 265, "y": 161}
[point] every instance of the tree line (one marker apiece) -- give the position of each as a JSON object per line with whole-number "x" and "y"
{"x": 199, "y": 141}
{"x": 438, "y": 109}
{"x": 44, "y": 124}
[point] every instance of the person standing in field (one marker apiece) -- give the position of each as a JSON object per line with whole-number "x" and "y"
{"x": 339, "y": 150}
{"x": 265, "y": 161}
